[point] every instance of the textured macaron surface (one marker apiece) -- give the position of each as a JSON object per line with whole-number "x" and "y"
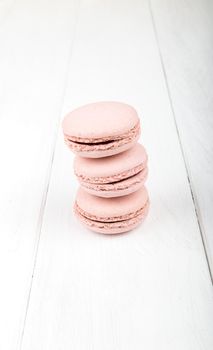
{"x": 118, "y": 188}
{"x": 112, "y": 215}
{"x": 113, "y": 168}
{"x": 101, "y": 120}
{"x": 111, "y": 209}
{"x": 101, "y": 129}
{"x": 113, "y": 176}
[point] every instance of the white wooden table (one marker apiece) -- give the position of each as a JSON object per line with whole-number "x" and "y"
{"x": 63, "y": 287}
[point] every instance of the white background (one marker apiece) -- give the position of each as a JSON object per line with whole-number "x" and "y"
{"x": 63, "y": 287}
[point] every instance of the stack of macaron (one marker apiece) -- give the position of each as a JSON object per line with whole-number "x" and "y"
{"x": 110, "y": 165}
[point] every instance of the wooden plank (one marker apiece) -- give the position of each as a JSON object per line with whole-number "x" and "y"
{"x": 35, "y": 44}
{"x": 148, "y": 289}
{"x": 185, "y": 35}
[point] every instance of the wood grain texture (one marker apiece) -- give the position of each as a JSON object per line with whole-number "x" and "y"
{"x": 148, "y": 289}
{"x": 35, "y": 44}
{"x": 185, "y": 35}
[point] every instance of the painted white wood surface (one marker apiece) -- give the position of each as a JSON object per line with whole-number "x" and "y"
{"x": 149, "y": 289}
{"x": 35, "y": 46}
{"x": 185, "y": 35}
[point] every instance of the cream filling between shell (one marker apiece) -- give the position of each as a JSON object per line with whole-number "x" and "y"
{"x": 108, "y": 218}
{"x": 105, "y": 143}
{"x": 123, "y": 184}
{"x": 111, "y": 178}
{"x": 114, "y": 222}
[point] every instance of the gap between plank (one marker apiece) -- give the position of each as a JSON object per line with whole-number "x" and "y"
{"x": 48, "y": 178}
{"x": 192, "y": 191}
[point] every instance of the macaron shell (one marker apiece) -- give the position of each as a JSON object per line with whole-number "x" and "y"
{"x": 113, "y": 227}
{"x": 113, "y": 208}
{"x": 101, "y": 119}
{"x": 120, "y": 188}
{"x": 109, "y": 169}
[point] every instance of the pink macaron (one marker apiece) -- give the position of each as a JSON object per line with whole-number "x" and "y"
{"x": 113, "y": 176}
{"x": 101, "y": 129}
{"x": 111, "y": 215}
